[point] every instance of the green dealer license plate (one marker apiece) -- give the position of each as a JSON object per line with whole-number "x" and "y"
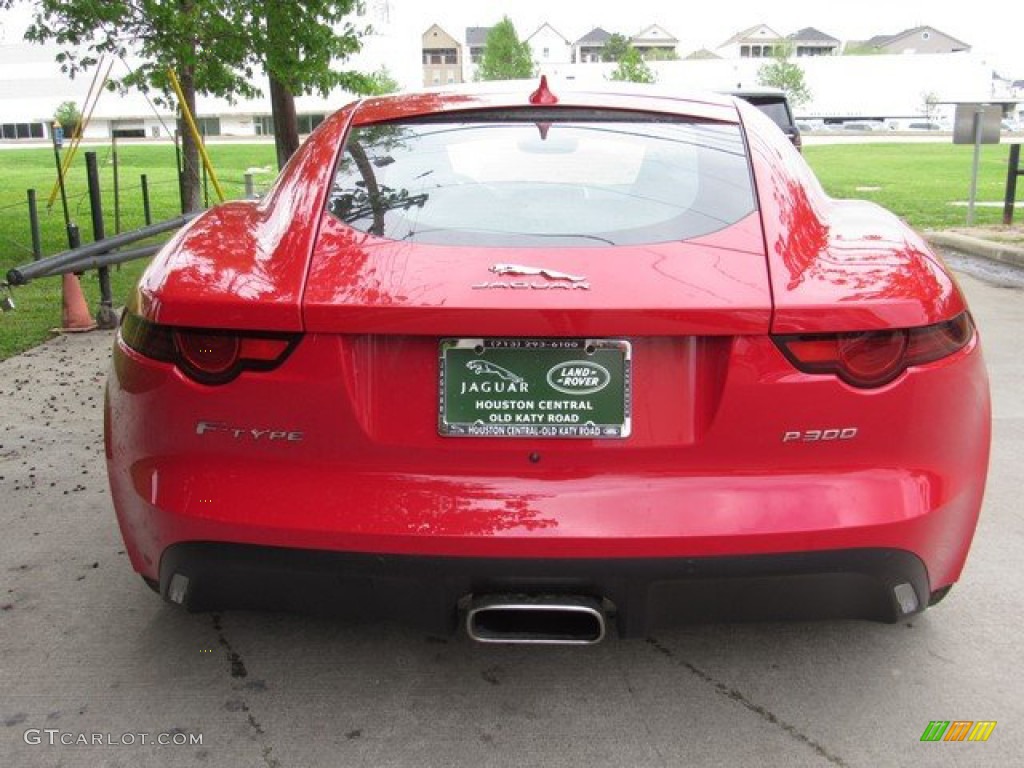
{"x": 569, "y": 388}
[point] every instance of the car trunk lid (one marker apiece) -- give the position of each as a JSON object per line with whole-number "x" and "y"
{"x": 716, "y": 284}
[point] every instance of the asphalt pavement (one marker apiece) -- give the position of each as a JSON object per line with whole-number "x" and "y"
{"x": 89, "y": 654}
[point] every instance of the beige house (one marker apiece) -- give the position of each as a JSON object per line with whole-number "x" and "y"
{"x": 654, "y": 42}
{"x": 442, "y": 57}
{"x": 757, "y": 42}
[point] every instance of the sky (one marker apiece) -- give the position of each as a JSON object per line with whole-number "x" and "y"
{"x": 992, "y": 27}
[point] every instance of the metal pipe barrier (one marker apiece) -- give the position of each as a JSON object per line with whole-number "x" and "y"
{"x": 84, "y": 257}
{"x": 105, "y": 317}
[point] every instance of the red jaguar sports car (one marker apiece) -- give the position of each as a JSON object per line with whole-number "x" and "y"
{"x": 544, "y": 362}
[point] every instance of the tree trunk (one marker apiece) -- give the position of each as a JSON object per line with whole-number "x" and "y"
{"x": 191, "y": 189}
{"x": 286, "y": 124}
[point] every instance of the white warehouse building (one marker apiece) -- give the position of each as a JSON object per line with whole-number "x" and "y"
{"x": 842, "y": 87}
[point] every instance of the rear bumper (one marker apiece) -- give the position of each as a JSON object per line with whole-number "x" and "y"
{"x": 369, "y": 484}
{"x": 642, "y": 594}
{"x": 605, "y": 519}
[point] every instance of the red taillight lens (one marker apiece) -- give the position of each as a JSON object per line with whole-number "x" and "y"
{"x": 874, "y": 358}
{"x": 206, "y": 355}
{"x": 210, "y": 354}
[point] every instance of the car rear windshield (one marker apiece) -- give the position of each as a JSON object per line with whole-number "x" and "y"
{"x": 543, "y": 179}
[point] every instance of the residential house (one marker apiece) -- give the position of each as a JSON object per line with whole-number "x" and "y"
{"x": 702, "y": 55}
{"x": 549, "y": 49}
{"x": 590, "y": 47}
{"x": 916, "y": 40}
{"x": 654, "y": 42}
{"x": 813, "y": 42}
{"x": 442, "y": 57}
{"x": 476, "y": 41}
{"x": 757, "y": 42}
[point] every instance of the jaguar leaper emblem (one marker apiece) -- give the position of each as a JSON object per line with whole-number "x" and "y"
{"x": 553, "y": 279}
{"x": 485, "y": 368}
{"x": 550, "y": 274}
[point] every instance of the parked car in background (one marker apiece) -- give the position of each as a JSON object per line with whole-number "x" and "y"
{"x": 774, "y": 103}
{"x": 545, "y": 363}
{"x": 915, "y": 125}
{"x": 863, "y": 125}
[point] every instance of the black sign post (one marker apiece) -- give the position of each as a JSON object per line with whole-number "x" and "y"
{"x": 57, "y": 133}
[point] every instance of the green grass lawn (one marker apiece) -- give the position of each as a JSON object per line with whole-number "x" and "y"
{"x": 917, "y": 181}
{"x": 39, "y": 303}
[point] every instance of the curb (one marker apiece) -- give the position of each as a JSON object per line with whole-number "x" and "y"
{"x": 975, "y": 246}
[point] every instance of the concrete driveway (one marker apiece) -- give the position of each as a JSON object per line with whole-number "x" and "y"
{"x": 89, "y": 654}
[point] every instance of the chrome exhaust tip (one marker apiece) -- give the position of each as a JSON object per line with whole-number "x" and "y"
{"x": 536, "y": 619}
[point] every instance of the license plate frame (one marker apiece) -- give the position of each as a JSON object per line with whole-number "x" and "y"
{"x": 540, "y": 388}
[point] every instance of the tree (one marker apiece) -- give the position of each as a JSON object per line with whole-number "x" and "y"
{"x": 69, "y": 116}
{"x": 632, "y": 68}
{"x": 193, "y": 37}
{"x": 783, "y": 74}
{"x": 214, "y": 47}
{"x": 662, "y": 54}
{"x": 382, "y": 82}
{"x": 299, "y": 43}
{"x": 615, "y": 47}
{"x": 196, "y": 38}
{"x": 505, "y": 57}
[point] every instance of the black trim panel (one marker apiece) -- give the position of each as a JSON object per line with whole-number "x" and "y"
{"x": 646, "y": 593}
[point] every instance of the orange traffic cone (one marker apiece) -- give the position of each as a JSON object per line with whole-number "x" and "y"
{"x": 75, "y": 316}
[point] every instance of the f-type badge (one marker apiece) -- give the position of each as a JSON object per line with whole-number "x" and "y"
{"x": 553, "y": 279}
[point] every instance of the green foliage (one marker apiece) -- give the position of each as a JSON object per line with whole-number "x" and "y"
{"x": 222, "y": 43}
{"x": 786, "y": 75}
{"x": 300, "y": 42}
{"x": 615, "y": 48}
{"x": 201, "y": 37}
{"x": 382, "y": 82}
{"x": 633, "y": 69}
{"x": 662, "y": 54}
{"x": 69, "y": 116}
{"x": 214, "y": 47}
{"x": 505, "y": 57}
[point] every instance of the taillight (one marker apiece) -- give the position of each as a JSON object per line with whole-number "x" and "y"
{"x": 209, "y": 356}
{"x": 874, "y": 358}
